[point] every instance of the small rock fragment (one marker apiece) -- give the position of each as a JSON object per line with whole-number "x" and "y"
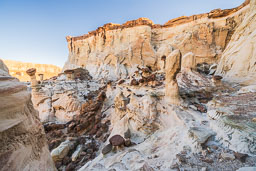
{"x": 61, "y": 151}
{"x": 146, "y": 167}
{"x": 76, "y": 154}
{"x": 200, "y": 134}
{"x": 106, "y": 149}
{"x": 227, "y": 156}
{"x": 240, "y": 156}
{"x": 181, "y": 158}
{"x": 127, "y": 134}
{"x": 207, "y": 160}
{"x": 127, "y": 143}
{"x": 134, "y": 82}
{"x": 204, "y": 169}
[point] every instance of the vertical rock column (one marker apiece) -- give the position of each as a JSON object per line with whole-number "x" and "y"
{"x": 173, "y": 66}
{"x": 23, "y": 144}
{"x": 41, "y": 76}
{"x": 188, "y": 62}
{"x": 32, "y": 73}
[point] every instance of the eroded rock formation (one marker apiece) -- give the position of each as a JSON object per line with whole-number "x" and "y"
{"x": 173, "y": 66}
{"x": 61, "y": 99}
{"x": 18, "y": 69}
{"x": 238, "y": 62}
{"x": 113, "y": 49}
{"x": 23, "y": 144}
{"x": 153, "y": 102}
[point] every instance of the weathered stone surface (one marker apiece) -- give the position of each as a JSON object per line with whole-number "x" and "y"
{"x": 127, "y": 134}
{"x": 18, "y": 69}
{"x": 4, "y": 69}
{"x": 242, "y": 157}
{"x": 31, "y": 71}
{"x": 117, "y": 140}
{"x": 146, "y": 167}
{"x": 66, "y": 107}
{"x": 112, "y": 50}
{"x": 160, "y": 130}
{"x": 216, "y": 79}
{"x": 61, "y": 151}
{"x": 77, "y": 152}
{"x": 22, "y": 138}
{"x": 241, "y": 51}
{"x": 188, "y": 62}
{"x": 200, "y": 134}
{"x": 107, "y": 149}
{"x": 247, "y": 169}
{"x": 227, "y": 156}
{"x": 173, "y": 66}
{"x": 127, "y": 143}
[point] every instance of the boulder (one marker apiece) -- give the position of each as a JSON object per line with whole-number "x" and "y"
{"x": 116, "y": 140}
{"x": 227, "y": 156}
{"x": 127, "y": 134}
{"x": 61, "y": 151}
{"x": 106, "y": 149}
{"x": 77, "y": 152}
{"x": 200, "y": 134}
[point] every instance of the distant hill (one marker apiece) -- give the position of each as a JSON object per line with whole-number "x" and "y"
{"x": 18, "y": 69}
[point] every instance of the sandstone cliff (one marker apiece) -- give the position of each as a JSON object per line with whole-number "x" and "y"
{"x": 238, "y": 62}
{"x": 18, "y": 69}
{"x": 112, "y": 50}
{"x": 23, "y": 144}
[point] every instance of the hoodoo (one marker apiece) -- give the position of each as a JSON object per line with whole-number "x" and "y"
{"x": 23, "y": 144}
{"x": 139, "y": 96}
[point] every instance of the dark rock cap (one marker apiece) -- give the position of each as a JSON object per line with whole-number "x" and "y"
{"x": 217, "y": 77}
{"x": 117, "y": 140}
{"x": 69, "y": 71}
{"x": 31, "y": 71}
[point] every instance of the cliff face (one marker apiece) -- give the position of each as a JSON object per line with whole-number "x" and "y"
{"x": 18, "y": 69}
{"x": 239, "y": 59}
{"x": 112, "y": 50}
{"x": 23, "y": 143}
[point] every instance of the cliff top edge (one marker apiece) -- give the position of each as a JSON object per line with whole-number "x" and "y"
{"x": 214, "y": 14}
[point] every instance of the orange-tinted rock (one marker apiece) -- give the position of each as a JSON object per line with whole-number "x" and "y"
{"x": 31, "y": 71}
{"x": 21, "y": 133}
{"x": 141, "y": 39}
{"x": 18, "y": 69}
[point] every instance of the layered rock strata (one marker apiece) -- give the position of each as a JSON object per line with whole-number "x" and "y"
{"x": 18, "y": 69}
{"x": 23, "y": 144}
{"x": 61, "y": 98}
{"x": 113, "y": 50}
{"x": 173, "y": 67}
{"x": 169, "y": 137}
{"x": 238, "y": 62}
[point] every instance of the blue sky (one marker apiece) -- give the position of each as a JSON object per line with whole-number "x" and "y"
{"x": 35, "y": 30}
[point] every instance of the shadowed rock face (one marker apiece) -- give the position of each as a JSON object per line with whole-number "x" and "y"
{"x": 207, "y": 121}
{"x": 22, "y": 138}
{"x": 112, "y": 50}
{"x": 239, "y": 59}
